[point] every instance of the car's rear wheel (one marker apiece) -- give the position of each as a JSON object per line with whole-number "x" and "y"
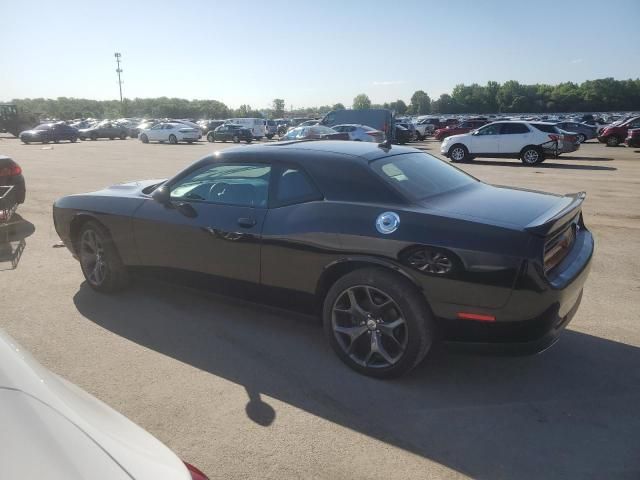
{"x": 377, "y": 322}
{"x": 582, "y": 138}
{"x": 172, "y": 139}
{"x": 249, "y": 140}
{"x": 236, "y": 139}
{"x": 73, "y": 139}
{"x": 99, "y": 259}
{"x": 123, "y": 136}
{"x": 613, "y": 141}
{"x": 211, "y": 138}
{"x": 532, "y": 155}
{"x": 94, "y": 136}
{"x": 458, "y": 153}
{"x": 144, "y": 138}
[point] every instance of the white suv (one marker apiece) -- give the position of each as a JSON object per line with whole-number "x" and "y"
{"x": 504, "y": 139}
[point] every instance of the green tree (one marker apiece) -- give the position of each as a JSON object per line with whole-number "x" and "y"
{"x": 338, "y": 106}
{"x": 278, "y": 108}
{"x": 399, "y": 107}
{"x": 420, "y": 103}
{"x": 361, "y": 102}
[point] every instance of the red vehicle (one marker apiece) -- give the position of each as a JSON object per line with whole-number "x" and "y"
{"x": 614, "y": 135}
{"x": 633, "y": 138}
{"x": 464, "y": 127}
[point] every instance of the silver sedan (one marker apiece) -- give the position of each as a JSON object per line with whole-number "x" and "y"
{"x": 360, "y": 133}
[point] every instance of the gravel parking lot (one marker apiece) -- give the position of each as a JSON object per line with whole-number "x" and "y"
{"x": 245, "y": 391}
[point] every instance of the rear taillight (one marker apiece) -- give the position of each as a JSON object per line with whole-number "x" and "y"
{"x": 195, "y": 473}
{"x": 554, "y": 137}
{"x": 558, "y": 247}
{"x": 374, "y": 134}
{"x": 10, "y": 171}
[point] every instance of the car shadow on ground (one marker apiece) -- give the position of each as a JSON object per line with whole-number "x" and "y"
{"x": 596, "y": 159}
{"x": 547, "y": 164}
{"x": 571, "y": 412}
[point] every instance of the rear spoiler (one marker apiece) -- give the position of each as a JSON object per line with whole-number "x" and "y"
{"x": 555, "y": 218}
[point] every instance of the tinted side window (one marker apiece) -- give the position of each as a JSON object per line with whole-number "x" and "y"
{"x": 294, "y": 186}
{"x": 512, "y": 128}
{"x": 544, "y": 127}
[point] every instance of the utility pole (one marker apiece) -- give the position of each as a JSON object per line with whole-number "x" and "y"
{"x": 119, "y": 70}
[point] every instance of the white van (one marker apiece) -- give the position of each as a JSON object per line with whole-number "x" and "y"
{"x": 255, "y": 124}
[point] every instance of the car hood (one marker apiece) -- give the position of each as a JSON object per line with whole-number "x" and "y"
{"x": 53, "y": 429}
{"x": 496, "y": 205}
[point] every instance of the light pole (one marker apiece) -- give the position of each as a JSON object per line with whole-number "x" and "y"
{"x": 119, "y": 70}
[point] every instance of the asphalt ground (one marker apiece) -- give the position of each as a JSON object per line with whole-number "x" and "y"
{"x": 244, "y": 391}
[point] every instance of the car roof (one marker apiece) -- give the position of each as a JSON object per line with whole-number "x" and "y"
{"x": 363, "y": 152}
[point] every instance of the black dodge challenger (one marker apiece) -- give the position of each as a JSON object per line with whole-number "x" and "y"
{"x": 397, "y": 248}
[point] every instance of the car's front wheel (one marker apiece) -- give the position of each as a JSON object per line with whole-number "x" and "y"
{"x": 100, "y": 262}
{"x": 582, "y": 138}
{"x": 613, "y": 141}
{"x": 377, "y": 322}
{"x": 123, "y": 136}
{"x": 172, "y": 139}
{"x": 532, "y": 155}
{"x": 144, "y": 138}
{"x": 458, "y": 153}
{"x": 236, "y": 139}
{"x": 211, "y": 138}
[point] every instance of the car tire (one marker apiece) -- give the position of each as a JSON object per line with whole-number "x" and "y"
{"x": 190, "y": 142}
{"x": 26, "y": 142}
{"x": 350, "y": 332}
{"x": 613, "y": 141}
{"x": 582, "y": 138}
{"x": 100, "y": 261}
{"x": 144, "y": 138}
{"x": 94, "y": 137}
{"x": 211, "y": 138}
{"x": 73, "y": 139}
{"x": 236, "y": 139}
{"x": 83, "y": 138}
{"x": 123, "y": 136}
{"x": 458, "y": 153}
{"x": 172, "y": 139}
{"x": 532, "y": 155}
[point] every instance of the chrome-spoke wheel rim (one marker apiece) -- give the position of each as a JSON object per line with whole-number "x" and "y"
{"x": 369, "y": 327}
{"x": 531, "y": 156}
{"x": 457, "y": 154}
{"x": 92, "y": 257}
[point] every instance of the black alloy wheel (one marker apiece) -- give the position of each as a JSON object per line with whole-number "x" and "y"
{"x": 99, "y": 260}
{"x": 377, "y": 322}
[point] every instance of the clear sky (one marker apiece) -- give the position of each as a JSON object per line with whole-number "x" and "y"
{"x": 310, "y": 53}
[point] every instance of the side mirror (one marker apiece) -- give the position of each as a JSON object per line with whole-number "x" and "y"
{"x": 162, "y": 195}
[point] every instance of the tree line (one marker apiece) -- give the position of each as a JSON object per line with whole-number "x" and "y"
{"x": 600, "y": 95}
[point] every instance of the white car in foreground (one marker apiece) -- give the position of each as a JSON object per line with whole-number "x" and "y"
{"x": 510, "y": 139}
{"x": 171, "y": 132}
{"x": 52, "y": 429}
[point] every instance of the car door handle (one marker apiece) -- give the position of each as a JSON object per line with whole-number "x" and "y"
{"x": 246, "y": 222}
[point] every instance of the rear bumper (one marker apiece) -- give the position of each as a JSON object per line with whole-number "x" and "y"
{"x": 537, "y": 312}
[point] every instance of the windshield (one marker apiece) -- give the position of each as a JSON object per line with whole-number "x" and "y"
{"x": 45, "y": 126}
{"x": 419, "y": 176}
